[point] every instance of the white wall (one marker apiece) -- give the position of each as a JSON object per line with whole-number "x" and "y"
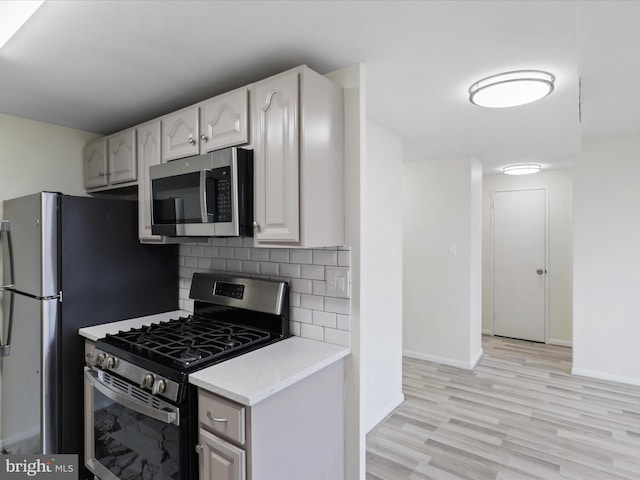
{"x": 442, "y": 260}
{"x": 606, "y": 300}
{"x": 381, "y": 281}
{"x": 560, "y": 277}
{"x": 37, "y": 156}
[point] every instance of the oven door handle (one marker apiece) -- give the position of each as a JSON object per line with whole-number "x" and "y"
{"x": 161, "y": 415}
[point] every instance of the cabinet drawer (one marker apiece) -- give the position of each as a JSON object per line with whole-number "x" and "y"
{"x": 221, "y": 416}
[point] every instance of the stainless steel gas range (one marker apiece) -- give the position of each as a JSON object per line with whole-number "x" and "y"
{"x": 140, "y": 411}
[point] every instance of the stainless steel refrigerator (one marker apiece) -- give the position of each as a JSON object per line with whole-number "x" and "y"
{"x": 68, "y": 262}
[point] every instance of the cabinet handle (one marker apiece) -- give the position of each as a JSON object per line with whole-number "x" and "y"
{"x": 100, "y": 174}
{"x": 256, "y": 225}
{"x": 214, "y": 419}
{"x": 204, "y": 138}
{"x": 198, "y": 449}
{"x": 191, "y": 140}
{"x": 108, "y": 174}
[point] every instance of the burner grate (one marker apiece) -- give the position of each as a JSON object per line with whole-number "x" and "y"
{"x": 188, "y": 341}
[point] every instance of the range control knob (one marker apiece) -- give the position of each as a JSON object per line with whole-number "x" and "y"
{"x": 161, "y": 386}
{"x": 99, "y": 359}
{"x": 109, "y": 362}
{"x": 147, "y": 381}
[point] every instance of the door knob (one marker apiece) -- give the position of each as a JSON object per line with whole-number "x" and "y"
{"x": 540, "y": 271}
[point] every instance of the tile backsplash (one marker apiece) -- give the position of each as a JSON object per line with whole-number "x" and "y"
{"x": 313, "y": 313}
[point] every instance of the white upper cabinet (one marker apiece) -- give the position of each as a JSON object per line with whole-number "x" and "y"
{"x": 276, "y": 159}
{"x": 298, "y": 138}
{"x": 95, "y": 164}
{"x": 180, "y": 133}
{"x": 148, "y": 154}
{"x": 224, "y": 121}
{"x": 123, "y": 166}
{"x": 111, "y": 162}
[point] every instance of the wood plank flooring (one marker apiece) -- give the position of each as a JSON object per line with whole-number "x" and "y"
{"x": 519, "y": 415}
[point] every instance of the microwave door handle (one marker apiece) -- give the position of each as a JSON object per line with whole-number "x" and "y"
{"x": 204, "y": 213}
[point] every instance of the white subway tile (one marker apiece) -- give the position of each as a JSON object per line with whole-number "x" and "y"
{"x": 325, "y": 257}
{"x": 248, "y": 242}
{"x": 290, "y": 270}
{"x": 218, "y": 264}
{"x": 338, "y": 337}
{"x": 294, "y": 299}
{"x": 234, "y": 266}
{"x": 337, "y": 305}
{"x": 344, "y": 322}
{"x": 183, "y": 293}
{"x": 324, "y": 319}
{"x": 218, "y": 242}
{"x": 313, "y": 332}
{"x": 250, "y": 267}
{"x": 204, "y": 262}
{"x": 211, "y": 252}
{"x": 301, "y": 285}
{"x": 300, "y": 314}
{"x": 241, "y": 254}
{"x": 225, "y": 252}
{"x": 300, "y": 256}
{"x": 184, "y": 249}
{"x": 234, "y": 242}
{"x": 312, "y": 302}
{"x": 312, "y": 272}
{"x": 280, "y": 255}
{"x": 186, "y": 272}
{"x": 197, "y": 251}
{"x": 268, "y": 268}
{"x": 190, "y": 261}
{"x": 319, "y": 287}
{"x": 294, "y": 327}
{"x": 260, "y": 254}
{"x": 344, "y": 258}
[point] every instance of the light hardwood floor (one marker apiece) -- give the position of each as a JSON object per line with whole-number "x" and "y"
{"x": 518, "y": 415}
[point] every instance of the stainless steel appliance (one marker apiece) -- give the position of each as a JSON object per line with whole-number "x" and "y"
{"x": 141, "y": 412}
{"x": 204, "y": 195}
{"x": 68, "y": 262}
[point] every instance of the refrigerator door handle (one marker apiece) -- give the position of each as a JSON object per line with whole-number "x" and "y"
{"x": 5, "y": 227}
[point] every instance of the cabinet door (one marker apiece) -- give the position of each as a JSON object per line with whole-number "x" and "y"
{"x": 122, "y": 157}
{"x": 276, "y": 158}
{"x": 180, "y": 132}
{"x": 224, "y": 121}
{"x": 95, "y": 164}
{"x": 220, "y": 460}
{"x": 148, "y": 154}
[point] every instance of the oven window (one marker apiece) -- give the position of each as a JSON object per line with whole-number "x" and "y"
{"x": 132, "y": 445}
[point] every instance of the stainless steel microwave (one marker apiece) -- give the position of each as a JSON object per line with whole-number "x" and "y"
{"x": 204, "y": 195}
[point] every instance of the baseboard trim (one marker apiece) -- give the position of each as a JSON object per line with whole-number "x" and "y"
{"x": 560, "y": 343}
{"x": 442, "y": 360}
{"x": 605, "y": 376}
{"x": 487, "y": 331}
{"x": 385, "y": 412}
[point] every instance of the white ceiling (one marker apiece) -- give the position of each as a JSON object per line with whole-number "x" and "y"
{"x": 102, "y": 66}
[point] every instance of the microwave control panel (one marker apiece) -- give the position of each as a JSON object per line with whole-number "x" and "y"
{"x": 222, "y": 207}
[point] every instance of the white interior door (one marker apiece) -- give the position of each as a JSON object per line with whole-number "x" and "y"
{"x": 519, "y": 263}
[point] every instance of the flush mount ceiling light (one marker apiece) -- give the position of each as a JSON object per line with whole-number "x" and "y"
{"x": 14, "y": 14}
{"x": 511, "y": 88}
{"x": 523, "y": 169}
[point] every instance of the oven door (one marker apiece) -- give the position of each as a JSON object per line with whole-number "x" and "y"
{"x": 131, "y": 434}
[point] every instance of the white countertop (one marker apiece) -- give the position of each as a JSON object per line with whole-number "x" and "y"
{"x": 254, "y": 376}
{"x": 100, "y": 331}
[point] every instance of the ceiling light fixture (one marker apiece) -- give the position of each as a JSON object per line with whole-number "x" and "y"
{"x": 511, "y": 88}
{"x": 14, "y": 14}
{"x": 523, "y": 169}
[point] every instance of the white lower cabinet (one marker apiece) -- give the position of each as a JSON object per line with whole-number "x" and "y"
{"x": 295, "y": 433}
